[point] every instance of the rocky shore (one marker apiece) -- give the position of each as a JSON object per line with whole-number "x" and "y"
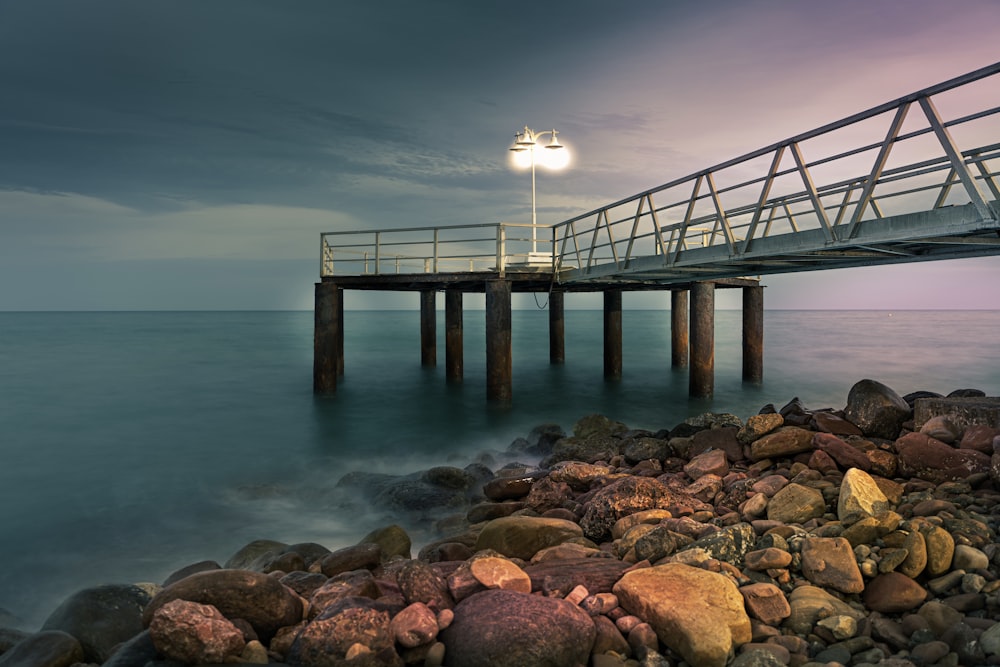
{"x": 863, "y": 536}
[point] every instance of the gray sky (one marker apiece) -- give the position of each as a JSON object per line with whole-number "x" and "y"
{"x": 186, "y": 154}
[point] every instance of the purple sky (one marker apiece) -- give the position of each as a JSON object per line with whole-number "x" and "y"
{"x": 187, "y": 154}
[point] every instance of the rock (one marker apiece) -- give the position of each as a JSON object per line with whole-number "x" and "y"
{"x": 969, "y": 558}
{"x": 418, "y": 496}
{"x": 722, "y": 439}
{"x": 924, "y": 457}
{"x": 766, "y": 603}
{"x": 796, "y": 504}
{"x": 608, "y": 638}
{"x": 695, "y": 612}
{"x": 587, "y": 449}
{"x": 827, "y": 422}
{"x": 137, "y": 651}
{"x": 260, "y": 600}
{"x": 500, "y": 573}
{"x": 642, "y": 449}
{"x": 730, "y": 544}
{"x": 242, "y": 559}
{"x": 859, "y": 496}
{"x": 621, "y": 498}
{"x": 392, "y": 540}
{"x": 830, "y": 562}
{"x": 980, "y": 438}
{"x": 523, "y": 536}
{"x": 841, "y": 627}
{"x": 786, "y": 441}
{"x": 892, "y": 593}
{"x": 418, "y": 582}
{"x": 416, "y": 625}
{"x": 365, "y": 556}
{"x": 844, "y": 454}
{"x": 876, "y": 409}
{"x": 712, "y": 462}
{"x": 48, "y": 648}
{"x": 941, "y": 427}
{"x": 559, "y": 577}
{"x": 579, "y": 475}
{"x": 940, "y": 549}
{"x": 357, "y": 583}
{"x": 194, "y": 633}
{"x": 100, "y": 618}
{"x": 547, "y": 494}
{"x": 767, "y": 559}
{"x": 330, "y": 639}
{"x": 510, "y": 488}
{"x": 758, "y": 426}
{"x": 646, "y": 516}
{"x": 193, "y": 568}
{"x": 808, "y": 604}
{"x": 507, "y": 629}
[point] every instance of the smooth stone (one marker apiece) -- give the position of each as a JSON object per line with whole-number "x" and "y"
{"x": 507, "y": 629}
{"x": 766, "y": 559}
{"x": 712, "y": 462}
{"x": 193, "y": 633}
{"x": 500, "y": 573}
{"x": 876, "y": 409}
{"x": 365, "y": 556}
{"x": 415, "y": 625}
{"x": 101, "y": 618}
{"x": 841, "y": 627}
{"x": 830, "y": 562}
{"x": 810, "y": 603}
{"x": 647, "y": 516}
{"x": 523, "y": 536}
{"x": 932, "y": 460}
{"x": 758, "y": 426}
{"x": 784, "y": 442}
{"x": 579, "y": 475}
{"x": 893, "y": 593}
{"x": 796, "y": 504}
{"x": 357, "y": 583}
{"x": 766, "y": 603}
{"x": 699, "y": 614}
{"x": 242, "y": 559}
{"x": 845, "y": 455}
{"x": 943, "y": 428}
{"x": 828, "y": 422}
{"x": 969, "y": 558}
{"x": 393, "y": 541}
{"x": 940, "y": 550}
{"x": 419, "y": 582}
{"x": 48, "y": 648}
{"x": 137, "y": 651}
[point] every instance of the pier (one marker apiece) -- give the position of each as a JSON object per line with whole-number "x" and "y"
{"x": 888, "y": 185}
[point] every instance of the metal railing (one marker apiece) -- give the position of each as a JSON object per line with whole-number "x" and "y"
{"x": 836, "y": 193}
{"x": 456, "y": 249}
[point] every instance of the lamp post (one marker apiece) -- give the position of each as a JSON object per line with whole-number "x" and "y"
{"x": 556, "y": 157}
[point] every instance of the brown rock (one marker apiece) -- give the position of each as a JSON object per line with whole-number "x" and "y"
{"x": 523, "y": 536}
{"x": 940, "y": 549}
{"x": 579, "y": 475}
{"x": 712, "y": 462}
{"x": 841, "y": 452}
{"x": 941, "y": 427}
{"x": 769, "y": 485}
{"x": 359, "y": 583}
{"x": 194, "y": 633}
{"x": 336, "y": 634}
{"x": 786, "y": 441}
{"x": 547, "y": 494}
{"x": 859, "y": 497}
{"x": 979, "y": 438}
{"x": 830, "y": 562}
{"x": 924, "y": 457}
{"x": 647, "y": 516}
{"x": 796, "y": 504}
{"x": 722, "y": 439}
{"x": 359, "y": 557}
{"x": 757, "y": 426}
{"x": 559, "y": 577}
{"x": 509, "y": 488}
{"x": 827, "y": 422}
{"x": 883, "y": 463}
{"x": 766, "y": 603}
{"x": 418, "y": 582}
{"x": 49, "y": 648}
{"x": 822, "y": 462}
{"x": 507, "y": 629}
{"x": 695, "y": 612}
{"x": 893, "y": 593}
{"x": 417, "y": 624}
{"x": 766, "y": 559}
{"x": 495, "y": 572}
{"x": 621, "y": 498}
{"x": 260, "y": 600}
{"x": 609, "y": 638}
{"x": 810, "y": 603}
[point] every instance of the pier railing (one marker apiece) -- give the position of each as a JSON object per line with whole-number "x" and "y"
{"x": 870, "y": 165}
{"x": 457, "y": 249}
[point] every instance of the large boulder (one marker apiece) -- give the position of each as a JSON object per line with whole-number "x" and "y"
{"x": 194, "y": 633}
{"x": 100, "y": 618}
{"x": 621, "y": 498}
{"x": 859, "y": 497}
{"x": 876, "y": 409}
{"x": 49, "y": 648}
{"x": 784, "y": 442}
{"x": 922, "y": 456}
{"x": 332, "y": 639}
{"x": 506, "y": 629}
{"x": 523, "y": 536}
{"x": 260, "y": 600}
{"x": 698, "y": 613}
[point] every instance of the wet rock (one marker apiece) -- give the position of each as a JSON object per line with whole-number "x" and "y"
{"x": 357, "y": 583}
{"x": 695, "y": 612}
{"x": 257, "y": 598}
{"x": 333, "y": 636}
{"x": 767, "y": 559}
{"x": 392, "y": 540}
{"x": 193, "y": 633}
{"x": 507, "y": 629}
{"x": 924, "y": 457}
{"x": 758, "y": 426}
{"x": 579, "y": 475}
{"x": 414, "y": 626}
{"x": 101, "y": 618}
{"x": 365, "y": 556}
{"x": 621, "y": 498}
{"x": 48, "y": 648}
{"x": 523, "y": 536}
{"x": 876, "y": 409}
{"x": 419, "y": 582}
{"x": 494, "y": 572}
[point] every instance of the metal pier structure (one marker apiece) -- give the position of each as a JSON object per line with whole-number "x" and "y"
{"x": 914, "y": 179}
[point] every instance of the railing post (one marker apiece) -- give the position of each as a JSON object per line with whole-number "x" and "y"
{"x": 378, "y": 252}
{"x": 501, "y": 249}
{"x": 435, "y": 250}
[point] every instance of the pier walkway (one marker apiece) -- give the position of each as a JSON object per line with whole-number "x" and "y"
{"x": 915, "y": 179}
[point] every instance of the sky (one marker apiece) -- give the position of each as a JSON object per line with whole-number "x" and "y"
{"x": 187, "y": 154}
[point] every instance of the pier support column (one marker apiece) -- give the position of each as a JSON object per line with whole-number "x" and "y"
{"x": 612, "y": 334}
{"x": 701, "y": 378}
{"x": 557, "y": 328}
{"x": 498, "y": 348}
{"x": 428, "y": 328}
{"x": 679, "y": 328}
{"x": 340, "y": 332}
{"x": 326, "y": 337}
{"x": 753, "y": 334}
{"x": 453, "y": 344}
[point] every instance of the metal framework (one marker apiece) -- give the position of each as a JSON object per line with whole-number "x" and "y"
{"x": 901, "y": 182}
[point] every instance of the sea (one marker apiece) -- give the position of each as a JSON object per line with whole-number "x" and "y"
{"x": 135, "y": 443}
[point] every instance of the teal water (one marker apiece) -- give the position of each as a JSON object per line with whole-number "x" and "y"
{"x": 132, "y": 444}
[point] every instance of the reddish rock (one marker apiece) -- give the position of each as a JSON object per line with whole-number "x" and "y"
{"x": 494, "y": 572}
{"x": 346, "y": 627}
{"x": 260, "y": 600}
{"x": 359, "y": 557}
{"x": 722, "y": 439}
{"x": 883, "y": 463}
{"x": 559, "y": 577}
{"x": 893, "y": 593}
{"x": 359, "y": 583}
{"x": 419, "y": 582}
{"x": 979, "y": 438}
{"x": 924, "y": 457}
{"x": 417, "y": 624}
{"x": 841, "y": 452}
{"x": 766, "y": 559}
{"x": 785, "y": 442}
{"x": 547, "y": 494}
{"x": 609, "y": 638}
{"x": 506, "y": 629}
{"x": 822, "y": 462}
{"x": 830, "y": 562}
{"x": 621, "y": 498}
{"x": 194, "y": 633}
{"x": 712, "y": 462}
{"x": 769, "y": 485}
{"x": 509, "y": 488}
{"x": 766, "y": 603}
{"x": 827, "y": 422}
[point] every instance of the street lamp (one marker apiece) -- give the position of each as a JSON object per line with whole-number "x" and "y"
{"x": 555, "y": 156}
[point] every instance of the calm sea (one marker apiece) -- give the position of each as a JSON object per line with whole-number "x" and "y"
{"x": 132, "y": 444}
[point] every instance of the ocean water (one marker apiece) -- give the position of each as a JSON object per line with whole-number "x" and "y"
{"x": 132, "y": 444}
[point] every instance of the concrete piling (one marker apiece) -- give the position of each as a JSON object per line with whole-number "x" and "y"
{"x": 701, "y": 380}
{"x": 499, "y": 371}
